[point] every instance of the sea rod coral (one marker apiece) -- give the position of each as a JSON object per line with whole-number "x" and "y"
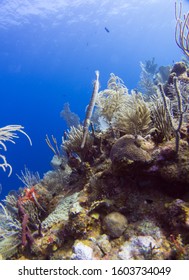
{"x": 181, "y": 30}
{"x": 8, "y": 133}
{"x": 90, "y": 109}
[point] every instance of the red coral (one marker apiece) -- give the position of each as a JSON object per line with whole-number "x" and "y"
{"x": 26, "y": 233}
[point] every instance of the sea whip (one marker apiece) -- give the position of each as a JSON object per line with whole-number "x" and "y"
{"x": 90, "y": 109}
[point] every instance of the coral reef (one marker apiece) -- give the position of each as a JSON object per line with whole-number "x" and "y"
{"x": 124, "y": 195}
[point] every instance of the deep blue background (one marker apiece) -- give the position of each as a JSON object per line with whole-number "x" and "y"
{"x": 49, "y": 51}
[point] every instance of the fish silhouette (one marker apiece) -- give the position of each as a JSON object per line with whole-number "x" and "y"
{"x": 107, "y": 30}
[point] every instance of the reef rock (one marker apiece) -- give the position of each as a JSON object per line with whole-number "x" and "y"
{"x": 104, "y": 243}
{"x": 82, "y": 252}
{"x": 129, "y": 148}
{"x": 61, "y": 212}
{"x": 115, "y": 224}
{"x": 178, "y": 213}
{"x": 138, "y": 247}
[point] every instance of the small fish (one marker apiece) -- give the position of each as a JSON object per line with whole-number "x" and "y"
{"x": 107, "y": 30}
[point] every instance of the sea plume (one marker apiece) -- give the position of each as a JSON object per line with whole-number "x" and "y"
{"x": 134, "y": 116}
{"x": 109, "y": 100}
{"x": 7, "y": 134}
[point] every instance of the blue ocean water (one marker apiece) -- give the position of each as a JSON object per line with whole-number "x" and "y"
{"x": 49, "y": 51}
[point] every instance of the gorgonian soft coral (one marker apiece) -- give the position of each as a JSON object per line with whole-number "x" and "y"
{"x": 110, "y": 100}
{"x": 124, "y": 112}
{"x": 133, "y": 117}
{"x": 8, "y": 133}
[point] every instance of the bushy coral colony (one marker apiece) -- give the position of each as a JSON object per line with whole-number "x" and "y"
{"x": 123, "y": 192}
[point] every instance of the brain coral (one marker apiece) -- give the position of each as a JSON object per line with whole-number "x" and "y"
{"x": 129, "y": 148}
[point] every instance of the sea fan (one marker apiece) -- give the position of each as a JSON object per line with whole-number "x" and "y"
{"x": 70, "y": 118}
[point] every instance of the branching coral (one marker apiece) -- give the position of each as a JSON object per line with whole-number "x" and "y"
{"x": 53, "y": 145}
{"x": 169, "y": 113}
{"x": 176, "y": 88}
{"x": 181, "y": 111}
{"x": 131, "y": 114}
{"x": 175, "y": 123}
{"x": 8, "y": 133}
